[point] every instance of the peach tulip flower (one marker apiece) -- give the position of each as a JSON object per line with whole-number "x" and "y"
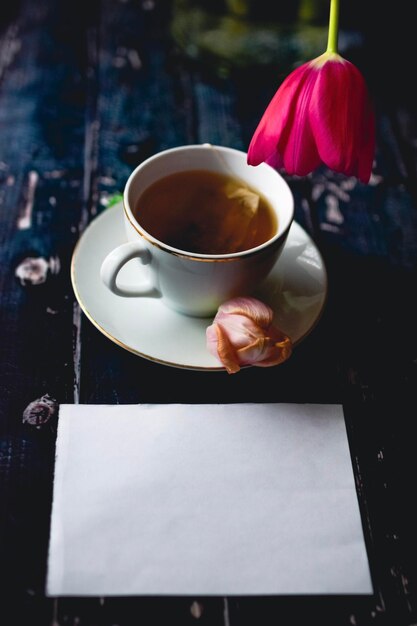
{"x": 242, "y": 333}
{"x": 322, "y": 113}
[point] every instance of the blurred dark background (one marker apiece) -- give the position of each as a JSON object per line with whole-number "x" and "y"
{"x": 378, "y": 36}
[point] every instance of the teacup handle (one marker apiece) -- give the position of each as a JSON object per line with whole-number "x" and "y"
{"x": 114, "y": 262}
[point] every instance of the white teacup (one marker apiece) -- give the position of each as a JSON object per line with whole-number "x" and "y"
{"x": 193, "y": 283}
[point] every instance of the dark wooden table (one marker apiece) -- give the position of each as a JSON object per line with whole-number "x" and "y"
{"x": 87, "y": 91}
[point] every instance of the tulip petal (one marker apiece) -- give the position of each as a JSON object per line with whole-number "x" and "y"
{"x": 242, "y": 333}
{"x": 254, "y": 352}
{"x": 280, "y": 352}
{"x": 240, "y": 329}
{"x": 254, "y": 309}
{"x": 267, "y": 351}
{"x": 272, "y": 134}
{"x": 342, "y": 119}
{"x": 212, "y": 339}
{"x": 226, "y": 352}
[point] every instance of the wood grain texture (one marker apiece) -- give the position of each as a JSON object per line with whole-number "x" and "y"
{"x": 87, "y": 95}
{"x": 42, "y": 108}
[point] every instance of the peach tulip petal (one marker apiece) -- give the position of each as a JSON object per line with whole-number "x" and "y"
{"x": 242, "y": 333}
{"x": 225, "y": 351}
{"x": 255, "y": 351}
{"x": 281, "y": 352}
{"x": 254, "y": 309}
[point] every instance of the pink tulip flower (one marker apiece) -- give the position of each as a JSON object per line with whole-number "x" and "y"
{"x": 242, "y": 333}
{"x": 322, "y": 113}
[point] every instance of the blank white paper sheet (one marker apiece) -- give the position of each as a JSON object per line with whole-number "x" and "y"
{"x": 208, "y": 499}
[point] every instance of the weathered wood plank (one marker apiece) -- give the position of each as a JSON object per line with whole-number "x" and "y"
{"x": 42, "y": 105}
{"x": 129, "y": 611}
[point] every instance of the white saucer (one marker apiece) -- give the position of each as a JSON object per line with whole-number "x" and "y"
{"x": 296, "y": 289}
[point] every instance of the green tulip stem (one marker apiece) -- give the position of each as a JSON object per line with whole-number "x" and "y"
{"x": 333, "y": 26}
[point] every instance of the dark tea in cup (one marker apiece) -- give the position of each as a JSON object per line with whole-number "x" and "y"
{"x": 206, "y": 212}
